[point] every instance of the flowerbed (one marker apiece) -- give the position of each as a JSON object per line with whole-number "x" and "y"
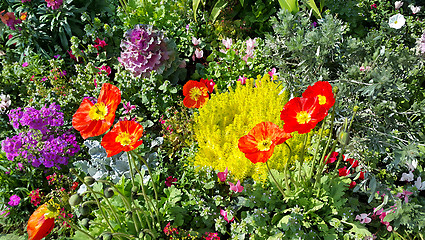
{"x": 212, "y": 119}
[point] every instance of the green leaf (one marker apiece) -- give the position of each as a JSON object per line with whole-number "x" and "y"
{"x": 195, "y": 5}
{"x": 290, "y": 5}
{"x": 313, "y": 6}
{"x": 217, "y": 9}
{"x": 242, "y": 1}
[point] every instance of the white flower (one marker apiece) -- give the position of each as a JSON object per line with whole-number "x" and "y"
{"x": 227, "y": 42}
{"x": 407, "y": 177}
{"x": 415, "y": 9}
{"x": 196, "y": 41}
{"x": 250, "y": 44}
{"x": 419, "y": 184}
{"x": 412, "y": 166}
{"x": 199, "y": 53}
{"x": 398, "y": 4}
{"x": 4, "y": 102}
{"x": 397, "y": 21}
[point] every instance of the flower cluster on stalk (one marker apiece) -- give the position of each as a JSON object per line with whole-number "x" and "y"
{"x": 44, "y": 143}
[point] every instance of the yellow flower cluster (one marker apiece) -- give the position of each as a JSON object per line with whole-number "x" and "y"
{"x": 229, "y": 116}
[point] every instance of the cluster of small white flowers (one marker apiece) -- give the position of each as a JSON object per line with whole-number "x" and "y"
{"x": 4, "y": 102}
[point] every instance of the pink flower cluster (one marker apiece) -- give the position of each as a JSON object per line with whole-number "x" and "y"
{"x": 54, "y": 4}
{"x": 222, "y": 176}
{"x": 250, "y": 45}
{"x": 9, "y": 19}
{"x": 35, "y": 197}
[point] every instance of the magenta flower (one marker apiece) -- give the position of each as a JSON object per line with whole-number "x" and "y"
{"x": 363, "y": 218}
{"x": 25, "y": 64}
{"x": 170, "y": 181}
{"x": 5, "y": 213}
{"x": 333, "y": 157}
{"x": 224, "y": 214}
{"x": 272, "y": 72}
{"x": 222, "y": 175}
{"x": 20, "y": 167}
{"x": 405, "y": 194}
{"x": 105, "y": 68}
{"x": 54, "y": 4}
{"x": 242, "y": 79}
{"x": 99, "y": 43}
{"x": 237, "y": 188}
{"x": 14, "y": 200}
{"x": 128, "y": 108}
{"x": 373, "y": 6}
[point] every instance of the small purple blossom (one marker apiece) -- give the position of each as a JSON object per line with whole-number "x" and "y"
{"x": 364, "y": 218}
{"x": 25, "y": 64}
{"x": 405, "y": 194}
{"x": 128, "y": 108}
{"x": 14, "y": 200}
{"x": 57, "y": 56}
{"x": 44, "y": 79}
{"x": 54, "y": 4}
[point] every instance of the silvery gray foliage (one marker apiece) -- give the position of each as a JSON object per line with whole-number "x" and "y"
{"x": 100, "y": 166}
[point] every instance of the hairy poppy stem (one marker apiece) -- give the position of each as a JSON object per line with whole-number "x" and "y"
{"x": 277, "y": 184}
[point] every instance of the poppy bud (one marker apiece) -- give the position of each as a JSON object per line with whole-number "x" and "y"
{"x": 75, "y": 200}
{"x": 107, "y": 236}
{"x": 109, "y": 192}
{"x": 89, "y": 180}
{"x": 356, "y": 108}
{"x": 85, "y": 222}
{"x": 335, "y": 90}
{"x": 84, "y": 210}
{"x": 344, "y": 137}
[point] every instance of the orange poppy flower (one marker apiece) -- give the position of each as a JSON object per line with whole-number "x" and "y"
{"x": 302, "y": 114}
{"x": 196, "y": 94}
{"x": 95, "y": 119}
{"x": 259, "y": 144}
{"x": 323, "y": 91}
{"x": 39, "y": 225}
{"x": 124, "y": 136}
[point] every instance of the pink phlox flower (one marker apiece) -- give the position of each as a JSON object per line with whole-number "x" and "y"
{"x": 199, "y": 53}
{"x": 14, "y": 200}
{"x": 209, "y": 83}
{"x": 222, "y": 176}
{"x": 170, "y": 181}
{"x": 272, "y": 72}
{"x": 5, "y": 213}
{"x": 128, "y": 108}
{"x": 105, "y": 68}
{"x": 169, "y": 129}
{"x": 99, "y": 43}
{"x": 405, "y": 194}
{"x": 242, "y": 79}
{"x": 44, "y": 79}
{"x": 224, "y": 214}
{"x": 227, "y": 42}
{"x": 161, "y": 120}
{"x": 364, "y": 218}
{"x": 20, "y": 167}
{"x": 196, "y": 41}
{"x": 407, "y": 177}
{"x": 25, "y": 64}
{"x": 237, "y": 188}
{"x": 211, "y": 236}
{"x": 419, "y": 184}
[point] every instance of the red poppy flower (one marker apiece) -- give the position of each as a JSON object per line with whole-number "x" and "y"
{"x": 196, "y": 94}
{"x": 302, "y": 114}
{"x": 353, "y": 163}
{"x": 124, "y": 136}
{"x": 343, "y": 171}
{"x": 95, "y": 119}
{"x": 323, "y": 91}
{"x": 39, "y": 225}
{"x": 259, "y": 144}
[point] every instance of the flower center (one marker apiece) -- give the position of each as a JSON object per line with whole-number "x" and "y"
{"x": 322, "y": 99}
{"x": 98, "y": 111}
{"x": 303, "y": 117}
{"x": 124, "y": 138}
{"x": 395, "y": 22}
{"x": 264, "y": 145}
{"x": 195, "y": 93}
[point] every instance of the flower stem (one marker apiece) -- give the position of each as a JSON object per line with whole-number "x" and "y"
{"x": 75, "y": 227}
{"x": 302, "y": 156}
{"x": 274, "y": 179}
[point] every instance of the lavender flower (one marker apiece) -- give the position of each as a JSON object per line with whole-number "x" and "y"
{"x": 145, "y": 50}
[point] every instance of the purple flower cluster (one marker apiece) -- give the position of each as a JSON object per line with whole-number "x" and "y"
{"x": 37, "y": 119}
{"x": 144, "y": 50}
{"x": 44, "y": 143}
